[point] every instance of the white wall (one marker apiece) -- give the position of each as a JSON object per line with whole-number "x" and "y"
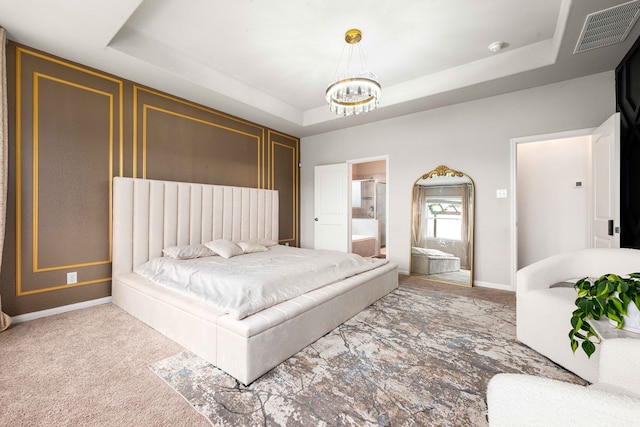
{"x": 553, "y": 214}
{"x": 472, "y": 137}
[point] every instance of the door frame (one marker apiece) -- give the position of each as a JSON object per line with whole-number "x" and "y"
{"x": 513, "y": 202}
{"x": 384, "y": 157}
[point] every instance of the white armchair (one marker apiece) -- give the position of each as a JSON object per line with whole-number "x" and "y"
{"x": 525, "y": 400}
{"x": 543, "y": 312}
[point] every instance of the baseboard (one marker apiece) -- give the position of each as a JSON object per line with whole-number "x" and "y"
{"x": 499, "y": 286}
{"x": 477, "y": 283}
{"x": 57, "y": 310}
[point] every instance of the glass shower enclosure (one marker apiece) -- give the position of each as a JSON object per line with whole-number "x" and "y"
{"x": 369, "y": 201}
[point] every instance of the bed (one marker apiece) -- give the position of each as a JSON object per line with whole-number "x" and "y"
{"x": 433, "y": 261}
{"x": 150, "y": 215}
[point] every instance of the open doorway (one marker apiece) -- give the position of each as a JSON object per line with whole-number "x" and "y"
{"x": 553, "y": 185}
{"x": 565, "y": 186}
{"x": 544, "y": 192}
{"x": 369, "y": 207}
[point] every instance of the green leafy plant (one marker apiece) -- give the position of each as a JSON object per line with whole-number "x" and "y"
{"x": 609, "y": 296}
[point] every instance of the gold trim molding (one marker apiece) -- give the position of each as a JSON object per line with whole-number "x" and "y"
{"x": 36, "y": 175}
{"x": 146, "y": 107}
{"x": 19, "y": 52}
{"x": 295, "y": 147}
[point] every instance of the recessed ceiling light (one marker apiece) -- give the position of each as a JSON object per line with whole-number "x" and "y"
{"x": 496, "y": 46}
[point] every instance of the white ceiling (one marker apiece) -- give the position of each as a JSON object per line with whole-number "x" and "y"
{"x": 270, "y": 61}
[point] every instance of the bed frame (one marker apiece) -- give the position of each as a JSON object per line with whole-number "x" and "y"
{"x": 150, "y": 215}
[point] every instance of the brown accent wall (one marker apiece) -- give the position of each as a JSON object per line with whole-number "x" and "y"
{"x": 283, "y": 158}
{"x": 72, "y": 129}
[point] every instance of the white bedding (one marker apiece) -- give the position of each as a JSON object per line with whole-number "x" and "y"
{"x": 248, "y": 283}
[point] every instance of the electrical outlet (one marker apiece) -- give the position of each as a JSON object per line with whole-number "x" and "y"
{"x": 72, "y": 278}
{"x": 501, "y": 194}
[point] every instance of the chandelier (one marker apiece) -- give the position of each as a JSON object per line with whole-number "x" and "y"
{"x": 354, "y": 91}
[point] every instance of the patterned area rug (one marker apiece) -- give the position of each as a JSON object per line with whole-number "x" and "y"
{"x": 417, "y": 357}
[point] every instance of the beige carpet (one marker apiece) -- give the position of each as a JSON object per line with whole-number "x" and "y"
{"x": 88, "y": 368}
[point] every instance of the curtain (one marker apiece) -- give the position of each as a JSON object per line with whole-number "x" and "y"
{"x": 466, "y": 229}
{"x": 5, "y": 320}
{"x": 417, "y": 226}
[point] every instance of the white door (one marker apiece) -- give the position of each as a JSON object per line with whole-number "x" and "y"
{"x": 605, "y": 221}
{"x": 331, "y": 206}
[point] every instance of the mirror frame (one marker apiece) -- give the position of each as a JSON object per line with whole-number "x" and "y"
{"x": 444, "y": 171}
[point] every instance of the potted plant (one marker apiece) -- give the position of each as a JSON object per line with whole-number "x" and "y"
{"x": 609, "y": 295}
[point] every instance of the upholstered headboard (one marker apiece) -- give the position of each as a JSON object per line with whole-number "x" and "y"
{"x": 150, "y": 215}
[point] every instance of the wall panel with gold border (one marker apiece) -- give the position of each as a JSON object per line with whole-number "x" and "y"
{"x": 283, "y": 159}
{"x": 71, "y": 130}
{"x": 65, "y": 148}
{"x": 176, "y": 140}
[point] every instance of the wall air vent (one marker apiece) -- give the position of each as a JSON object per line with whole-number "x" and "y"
{"x": 608, "y": 26}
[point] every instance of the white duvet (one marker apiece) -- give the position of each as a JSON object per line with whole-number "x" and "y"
{"x": 248, "y": 283}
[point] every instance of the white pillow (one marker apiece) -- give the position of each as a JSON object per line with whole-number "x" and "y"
{"x": 225, "y": 248}
{"x": 250, "y": 246}
{"x": 266, "y": 242}
{"x": 187, "y": 251}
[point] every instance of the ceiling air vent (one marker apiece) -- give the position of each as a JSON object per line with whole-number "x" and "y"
{"x": 608, "y": 26}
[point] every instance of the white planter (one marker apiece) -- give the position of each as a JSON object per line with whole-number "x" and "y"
{"x": 631, "y": 320}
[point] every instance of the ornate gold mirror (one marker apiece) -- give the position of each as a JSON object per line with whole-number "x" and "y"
{"x": 442, "y": 227}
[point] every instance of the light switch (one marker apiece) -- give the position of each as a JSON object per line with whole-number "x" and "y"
{"x": 501, "y": 194}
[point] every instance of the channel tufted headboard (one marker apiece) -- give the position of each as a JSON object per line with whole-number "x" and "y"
{"x": 149, "y": 215}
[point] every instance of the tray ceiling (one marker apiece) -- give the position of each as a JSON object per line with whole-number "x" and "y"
{"x": 270, "y": 62}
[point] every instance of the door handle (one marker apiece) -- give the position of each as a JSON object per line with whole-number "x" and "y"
{"x": 315, "y": 219}
{"x": 610, "y": 223}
